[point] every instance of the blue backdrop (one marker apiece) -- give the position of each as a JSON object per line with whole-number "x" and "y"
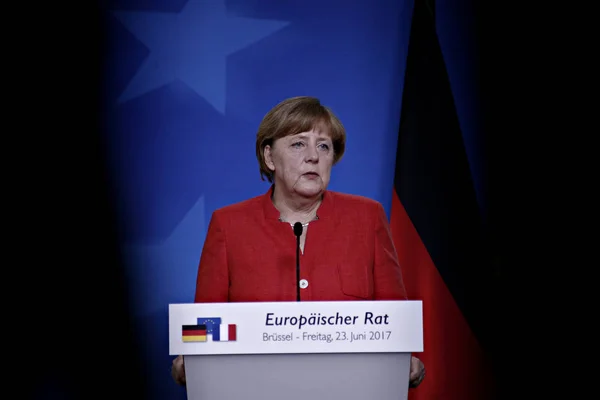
{"x": 187, "y": 84}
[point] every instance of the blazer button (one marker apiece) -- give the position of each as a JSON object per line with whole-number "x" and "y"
{"x": 303, "y": 284}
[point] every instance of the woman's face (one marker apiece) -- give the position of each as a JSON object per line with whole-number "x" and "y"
{"x": 301, "y": 163}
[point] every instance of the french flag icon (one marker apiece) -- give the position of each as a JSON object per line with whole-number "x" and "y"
{"x": 224, "y": 333}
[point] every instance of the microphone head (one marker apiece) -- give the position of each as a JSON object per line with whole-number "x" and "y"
{"x": 297, "y": 229}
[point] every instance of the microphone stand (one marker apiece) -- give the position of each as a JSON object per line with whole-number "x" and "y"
{"x": 298, "y": 232}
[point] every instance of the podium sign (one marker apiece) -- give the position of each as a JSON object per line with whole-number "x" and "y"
{"x": 296, "y": 327}
{"x": 296, "y": 350}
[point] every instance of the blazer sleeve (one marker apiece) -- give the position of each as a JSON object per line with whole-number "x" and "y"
{"x": 388, "y": 282}
{"x": 212, "y": 283}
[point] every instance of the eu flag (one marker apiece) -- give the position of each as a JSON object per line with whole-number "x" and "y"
{"x": 210, "y": 322}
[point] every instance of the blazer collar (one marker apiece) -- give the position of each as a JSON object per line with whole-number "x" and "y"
{"x": 271, "y": 213}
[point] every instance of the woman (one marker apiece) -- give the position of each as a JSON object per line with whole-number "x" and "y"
{"x": 346, "y": 248}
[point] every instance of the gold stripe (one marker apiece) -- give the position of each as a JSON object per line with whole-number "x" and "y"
{"x": 197, "y": 338}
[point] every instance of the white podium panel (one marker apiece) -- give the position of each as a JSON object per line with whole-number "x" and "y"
{"x": 296, "y": 327}
{"x": 296, "y": 350}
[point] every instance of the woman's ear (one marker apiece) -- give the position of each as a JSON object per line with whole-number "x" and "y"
{"x": 268, "y": 154}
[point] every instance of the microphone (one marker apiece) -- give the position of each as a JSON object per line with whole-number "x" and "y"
{"x": 298, "y": 233}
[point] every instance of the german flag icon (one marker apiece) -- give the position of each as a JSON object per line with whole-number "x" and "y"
{"x": 193, "y": 333}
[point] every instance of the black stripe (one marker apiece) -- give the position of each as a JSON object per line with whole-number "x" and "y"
{"x": 193, "y": 327}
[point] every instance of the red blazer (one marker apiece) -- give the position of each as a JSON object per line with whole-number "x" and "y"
{"x": 249, "y": 255}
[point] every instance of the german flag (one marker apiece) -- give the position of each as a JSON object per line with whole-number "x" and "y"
{"x": 437, "y": 226}
{"x": 193, "y": 333}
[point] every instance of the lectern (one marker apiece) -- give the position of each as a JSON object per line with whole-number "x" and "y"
{"x": 343, "y": 350}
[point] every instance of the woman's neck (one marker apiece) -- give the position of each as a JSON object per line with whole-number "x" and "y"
{"x": 297, "y": 209}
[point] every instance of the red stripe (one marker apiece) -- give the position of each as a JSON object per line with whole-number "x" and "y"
{"x": 194, "y": 332}
{"x": 453, "y": 359}
{"x": 232, "y": 332}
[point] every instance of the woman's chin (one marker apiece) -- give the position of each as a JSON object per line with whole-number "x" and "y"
{"x": 310, "y": 189}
